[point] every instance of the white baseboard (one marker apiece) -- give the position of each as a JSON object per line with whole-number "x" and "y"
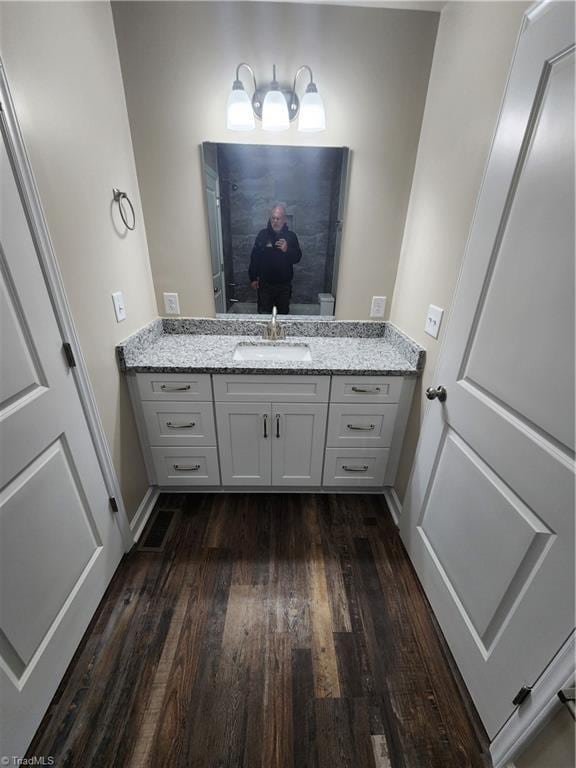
{"x": 144, "y": 511}
{"x": 394, "y": 504}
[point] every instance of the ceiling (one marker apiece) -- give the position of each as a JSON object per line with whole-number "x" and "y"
{"x": 406, "y": 5}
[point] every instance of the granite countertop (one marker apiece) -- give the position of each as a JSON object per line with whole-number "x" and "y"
{"x": 206, "y": 345}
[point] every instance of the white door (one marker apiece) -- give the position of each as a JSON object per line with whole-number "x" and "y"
{"x": 489, "y": 514}
{"x": 59, "y": 541}
{"x": 215, "y": 235}
{"x": 298, "y": 443}
{"x": 244, "y": 437}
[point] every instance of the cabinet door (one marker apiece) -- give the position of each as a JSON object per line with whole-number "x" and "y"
{"x": 244, "y": 438}
{"x": 298, "y": 431}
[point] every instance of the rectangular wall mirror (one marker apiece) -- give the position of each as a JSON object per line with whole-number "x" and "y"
{"x": 256, "y": 262}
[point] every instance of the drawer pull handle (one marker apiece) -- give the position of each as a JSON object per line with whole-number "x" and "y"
{"x": 277, "y": 425}
{"x": 363, "y": 468}
{"x": 265, "y": 417}
{"x": 193, "y": 468}
{"x": 361, "y": 428}
{"x": 167, "y": 388}
{"x": 366, "y": 390}
{"x": 190, "y": 425}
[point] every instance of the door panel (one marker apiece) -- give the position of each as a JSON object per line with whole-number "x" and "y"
{"x": 23, "y": 375}
{"x": 66, "y": 538}
{"x": 484, "y": 539}
{"x": 488, "y": 517}
{"x": 298, "y": 443}
{"x": 59, "y": 541}
{"x": 244, "y": 436}
{"x": 215, "y": 234}
{"x": 533, "y": 264}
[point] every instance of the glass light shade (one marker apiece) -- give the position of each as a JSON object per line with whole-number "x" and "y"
{"x": 312, "y": 117}
{"x": 239, "y": 114}
{"x": 275, "y": 112}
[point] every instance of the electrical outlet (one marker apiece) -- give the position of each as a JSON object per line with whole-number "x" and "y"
{"x": 433, "y": 320}
{"x": 119, "y": 306}
{"x": 378, "y": 306}
{"x": 171, "y": 304}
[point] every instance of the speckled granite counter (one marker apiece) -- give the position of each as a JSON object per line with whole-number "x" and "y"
{"x": 206, "y": 345}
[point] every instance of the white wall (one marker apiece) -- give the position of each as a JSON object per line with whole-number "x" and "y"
{"x": 62, "y": 64}
{"x": 178, "y": 63}
{"x": 474, "y": 49}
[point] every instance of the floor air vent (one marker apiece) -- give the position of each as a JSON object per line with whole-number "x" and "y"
{"x": 158, "y": 531}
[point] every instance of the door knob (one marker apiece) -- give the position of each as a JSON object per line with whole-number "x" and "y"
{"x": 436, "y": 392}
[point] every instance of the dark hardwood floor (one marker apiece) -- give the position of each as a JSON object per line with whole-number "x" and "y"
{"x": 272, "y": 630}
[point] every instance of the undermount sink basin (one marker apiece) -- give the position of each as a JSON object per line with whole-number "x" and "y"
{"x": 271, "y": 351}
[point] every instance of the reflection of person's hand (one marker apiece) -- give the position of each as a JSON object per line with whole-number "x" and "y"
{"x": 282, "y": 244}
{"x": 254, "y": 284}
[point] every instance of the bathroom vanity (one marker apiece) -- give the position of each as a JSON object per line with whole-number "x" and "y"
{"x": 217, "y": 406}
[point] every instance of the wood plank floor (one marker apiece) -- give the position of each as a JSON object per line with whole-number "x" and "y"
{"x": 272, "y": 631}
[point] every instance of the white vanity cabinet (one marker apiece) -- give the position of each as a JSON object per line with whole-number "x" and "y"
{"x": 277, "y": 431}
{"x": 271, "y": 443}
{"x": 175, "y": 419}
{"x": 366, "y": 426}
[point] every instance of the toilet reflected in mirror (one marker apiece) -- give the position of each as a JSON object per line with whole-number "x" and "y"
{"x": 275, "y": 217}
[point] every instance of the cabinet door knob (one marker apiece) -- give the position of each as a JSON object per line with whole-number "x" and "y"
{"x": 433, "y": 393}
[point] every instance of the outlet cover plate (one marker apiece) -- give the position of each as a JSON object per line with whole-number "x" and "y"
{"x": 433, "y": 321}
{"x": 378, "y": 306}
{"x": 119, "y": 306}
{"x": 171, "y": 304}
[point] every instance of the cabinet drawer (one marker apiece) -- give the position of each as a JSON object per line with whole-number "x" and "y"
{"x": 186, "y": 466}
{"x": 355, "y": 466}
{"x": 174, "y": 386}
{"x": 282, "y": 389}
{"x": 361, "y": 426}
{"x": 176, "y": 423}
{"x": 366, "y": 389}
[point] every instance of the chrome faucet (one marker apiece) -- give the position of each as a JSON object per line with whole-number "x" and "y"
{"x": 273, "y": 330}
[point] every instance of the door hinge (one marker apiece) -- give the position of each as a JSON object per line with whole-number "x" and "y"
{"x": 522, "y": 695}
{"x": 70, "y": 359}
{"x": 113, "y": 504}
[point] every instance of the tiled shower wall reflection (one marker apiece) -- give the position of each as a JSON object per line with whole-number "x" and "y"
{"x": 307, "y": 180}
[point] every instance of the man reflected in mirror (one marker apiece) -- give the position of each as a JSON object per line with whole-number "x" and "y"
{"x": 272, "y": 260}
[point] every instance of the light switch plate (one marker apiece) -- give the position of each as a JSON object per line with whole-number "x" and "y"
{"x": 171, "y": 304}
{"x": 433, "y": 320}
{"x": 119, "y": 306}
{"x": 378, "y": 306}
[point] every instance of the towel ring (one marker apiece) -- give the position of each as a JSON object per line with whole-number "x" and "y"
{"x": 118, "y": 198}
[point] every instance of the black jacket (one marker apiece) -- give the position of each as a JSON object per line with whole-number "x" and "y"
{"x": 270, "y": 264}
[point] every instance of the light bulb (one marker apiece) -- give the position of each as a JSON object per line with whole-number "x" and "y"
{"x": 275, "y": 112}
{"x": 312, "y": 118}
{"x": 239, "y": 114}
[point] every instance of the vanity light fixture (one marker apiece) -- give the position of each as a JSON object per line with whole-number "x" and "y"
{"x": 275, "y": 106}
